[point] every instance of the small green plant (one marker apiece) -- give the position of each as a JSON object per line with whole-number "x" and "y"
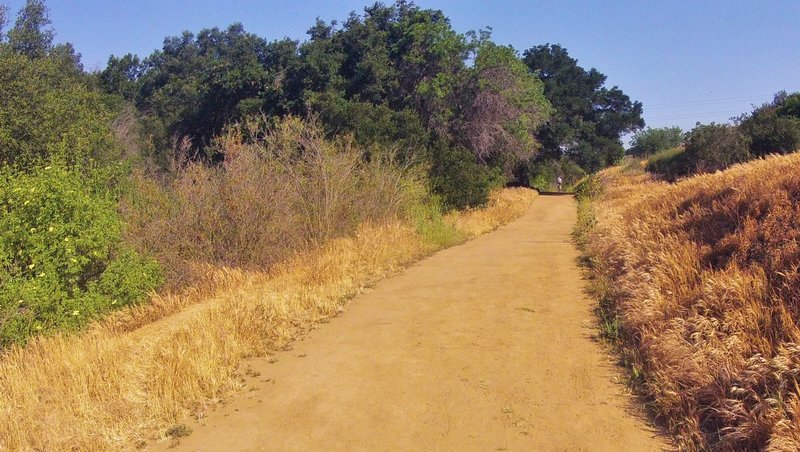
{"x": 62, "y": 262}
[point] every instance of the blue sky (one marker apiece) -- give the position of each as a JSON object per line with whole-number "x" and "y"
{"x": 687, "y": 61}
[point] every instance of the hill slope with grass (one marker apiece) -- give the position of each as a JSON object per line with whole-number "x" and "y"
{"x": 700, "y": 289}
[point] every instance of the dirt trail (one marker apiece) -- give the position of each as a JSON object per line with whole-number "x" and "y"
{"x": 485, "y": 346}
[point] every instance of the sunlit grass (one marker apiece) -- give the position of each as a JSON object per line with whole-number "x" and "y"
{"x": 700, "y": 286}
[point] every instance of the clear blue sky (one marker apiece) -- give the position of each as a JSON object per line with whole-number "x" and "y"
{"x": 686, "y": 61}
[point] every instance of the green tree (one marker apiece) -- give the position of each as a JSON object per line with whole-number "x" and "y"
{"x": 650, "y": 141}
{"x": 589, "y": 118}
{"x": 505, "y": 109}
{"x": 195, "y": 85}
{"x": 48, "y": 114}
{"x": 121, "y": 75}
{"x": 31, "y": 35}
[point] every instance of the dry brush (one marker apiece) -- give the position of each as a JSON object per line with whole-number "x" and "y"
{"x": 702, "y": 280}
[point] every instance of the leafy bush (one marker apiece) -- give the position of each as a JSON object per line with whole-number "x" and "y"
{"x": 775, "y": 127}
{"x": 669, "y": 163}
{"x": 716, "y": 146}
{"x": 650, "y": 141}
{"x": 62, "y": 262}
{"x": 708, "y": 148}
{"x": 460, "y": 180}
{"x": 588, "y": 188}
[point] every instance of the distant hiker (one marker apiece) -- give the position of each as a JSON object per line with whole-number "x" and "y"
{"x": 559, "y": 181}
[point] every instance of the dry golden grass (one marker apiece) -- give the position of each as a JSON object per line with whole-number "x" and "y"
{"x": 139, "y": 373}
{"x": 702, "y": 277}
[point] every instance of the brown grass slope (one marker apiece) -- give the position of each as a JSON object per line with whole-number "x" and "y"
{"x": 139, "y": 374}
{"x": 702, "y": 277}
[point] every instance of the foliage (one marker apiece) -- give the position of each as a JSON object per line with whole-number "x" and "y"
{"x": 394, "y": 76}
{"x": 31, "y": 36}
{"x": 708, "y": 148}
{"x": 774, "y": 127}
{"x": 669, "y": 163}
{"x": 714, "y": 147}
{"x": 506, "y": 109}
{"x": 3, "y": 21}
{"x": 589, "y": 118}
{"x": 650, "y": 141}
{"x": 544, "y": 173}
{"x": 462, "y": 181}
{"x": 49, "y": 115}
{"x": 62, "y": 262}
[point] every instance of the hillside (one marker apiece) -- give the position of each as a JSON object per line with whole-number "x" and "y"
{"x": 700, "y": 289}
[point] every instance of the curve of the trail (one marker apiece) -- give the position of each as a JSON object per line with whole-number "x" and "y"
{"x": 486, "y": 346}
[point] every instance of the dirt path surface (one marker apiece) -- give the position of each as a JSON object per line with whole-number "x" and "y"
{"x": 485, "y": 346}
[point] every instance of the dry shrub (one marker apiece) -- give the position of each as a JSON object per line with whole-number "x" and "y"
{"x": 278, "y": 191}
{"x": 703, "y": 278}
{"x": 137, "y": 375}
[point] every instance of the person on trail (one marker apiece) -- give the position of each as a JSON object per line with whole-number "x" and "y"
{"x": 559, "y": 181}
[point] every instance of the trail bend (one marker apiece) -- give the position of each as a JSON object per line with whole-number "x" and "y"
{"x": 486, "y": 346}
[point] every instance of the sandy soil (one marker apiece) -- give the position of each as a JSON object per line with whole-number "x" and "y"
{"x": 486, "y": 346}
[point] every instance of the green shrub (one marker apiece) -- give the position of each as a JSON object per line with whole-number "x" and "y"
{"x": 651, "y": 140}
{"x": 427, "y": 216}
{"x": 62, "y": 262}
{"x": 460, "y": 180}
{"x": 708, "y": 148}
{"x": 775, "y": 127}
{"x": 587, "y": 188}
{"x": 669, "y": 163}
{"x": 716, "y": 146}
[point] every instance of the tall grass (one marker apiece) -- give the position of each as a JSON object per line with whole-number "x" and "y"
{"x": 701, "y": 281}
{"x": 140, "y": 373}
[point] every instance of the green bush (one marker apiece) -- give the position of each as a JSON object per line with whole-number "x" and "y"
{"x": 62, "y": 261}
{"x": 651, "y": 140}
{"x": 716, "y": 146}
{"x": 774, "y": 128}
{"x": 460, "y": 180}
{"x": 708, "y": 148}
{"x": 669, "y": 163}
{"x": 587, "y": 188}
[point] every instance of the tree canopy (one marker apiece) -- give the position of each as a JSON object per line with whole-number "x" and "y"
{"x": 589, "y": 118}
